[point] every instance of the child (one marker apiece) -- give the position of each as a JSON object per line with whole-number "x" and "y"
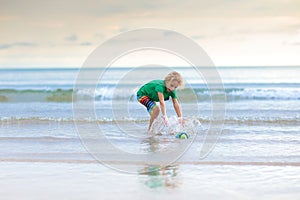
{"x": 160, "y": 91}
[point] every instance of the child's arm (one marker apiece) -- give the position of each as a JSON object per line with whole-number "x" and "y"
{"x": 163, "y": 108}
{"x": 177, "y": 107}
{"x": 178, "y": 111}
{"x": 162, "y": 103}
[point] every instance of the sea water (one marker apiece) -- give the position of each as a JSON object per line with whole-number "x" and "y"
{"x": 257, "y": 153}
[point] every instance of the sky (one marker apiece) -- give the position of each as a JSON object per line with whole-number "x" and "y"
{"x": 62, "y": 33}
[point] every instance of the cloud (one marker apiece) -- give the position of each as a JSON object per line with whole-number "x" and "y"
{"x": 5, "y": 46}
{"x": 18, "y": 44}
{"x": 77, "y": 7}
{"x": 85, "y": 44}
{"x": 151, "y": 9}
{"x": 71, "y": 38}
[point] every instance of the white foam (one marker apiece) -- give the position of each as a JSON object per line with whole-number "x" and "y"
{"x": 191, "y": 126}
{"x": 266, "y": 93}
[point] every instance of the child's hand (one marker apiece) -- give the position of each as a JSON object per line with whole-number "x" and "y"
{"x": 165, "y": 120}
{"x": 181, "y": 121}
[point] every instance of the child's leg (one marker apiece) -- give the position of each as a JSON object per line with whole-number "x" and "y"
{"x": 151, "y": 106}
{"x": 153, "y": 115}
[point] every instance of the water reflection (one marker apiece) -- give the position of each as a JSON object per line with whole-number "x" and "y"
{"x": 157, "y": 176}
{"x": 158, "y": 143}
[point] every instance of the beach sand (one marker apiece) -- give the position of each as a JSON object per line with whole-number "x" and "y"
{"x": 57, "y": 180}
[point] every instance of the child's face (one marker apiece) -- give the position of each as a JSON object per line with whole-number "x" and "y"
{"x": 172, "y": 85}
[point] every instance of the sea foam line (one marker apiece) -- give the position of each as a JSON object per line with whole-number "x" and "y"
{"x": 228, "y": 120}
{"x": 91, "y": 161}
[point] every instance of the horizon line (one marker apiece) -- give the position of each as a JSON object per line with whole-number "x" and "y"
{"x": 116, "y": 67}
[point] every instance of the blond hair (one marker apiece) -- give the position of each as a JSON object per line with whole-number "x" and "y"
{"x": 175, "y": 76}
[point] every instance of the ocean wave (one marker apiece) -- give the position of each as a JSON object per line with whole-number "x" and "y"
{"x": 263, "y": 93}
{"x": 108, "y": 93}
{"x": 36, "y": 95}
{"x": 24, "y": 120}
{"x": 228, "y": 120}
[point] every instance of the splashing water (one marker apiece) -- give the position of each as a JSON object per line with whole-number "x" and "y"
{"x": 190, "y": 126}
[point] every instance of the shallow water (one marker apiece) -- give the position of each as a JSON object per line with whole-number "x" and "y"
{"x": 43, "y": 156}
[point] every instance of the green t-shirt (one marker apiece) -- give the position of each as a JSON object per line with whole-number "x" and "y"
{"x": 150, "y": 90}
